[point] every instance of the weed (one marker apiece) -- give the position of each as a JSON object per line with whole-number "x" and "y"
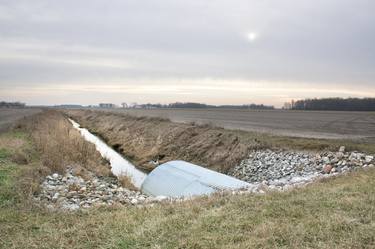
{"x": 60, "y": 145}
{"x": 332, "y": 213}
{"x": 4, "y": 153}
{"x": 142, "y": 139}
{"x": 125, "y": 181}
{"x": 19, "y": 157}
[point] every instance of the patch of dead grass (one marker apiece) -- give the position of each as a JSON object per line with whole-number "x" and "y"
{"x": 332, "y": 213}
{"x": 125, "y": 181}
{"x": 20, "y": 157}
{"x": 60, "y": 145}
{"x": 142, "y": 139}
{"x": 145, "y": 139}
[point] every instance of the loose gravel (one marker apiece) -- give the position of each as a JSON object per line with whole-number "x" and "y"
{"x": 285, "y": 169}
{"x": 71, "y": 192}
{"x": 265, "y": 170}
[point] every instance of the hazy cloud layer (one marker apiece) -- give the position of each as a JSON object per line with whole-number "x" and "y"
{"x": 206, "y": 51}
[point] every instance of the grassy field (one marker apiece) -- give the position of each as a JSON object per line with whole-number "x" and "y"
{"x": 334, "y": 213}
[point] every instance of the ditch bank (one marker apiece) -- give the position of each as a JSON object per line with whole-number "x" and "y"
{"x": 148, "y": 142}
{"x": 120, "y": 167}
{"x": 70, "y": 191}
{"x": 265, "y": 170}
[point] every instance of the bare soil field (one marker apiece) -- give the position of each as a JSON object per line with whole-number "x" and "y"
{"x": 146, "y": 139}
{"x": 8, "y": 116}
{"x": 311, "y": 124}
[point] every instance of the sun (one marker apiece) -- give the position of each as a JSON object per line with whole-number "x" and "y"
{"x": 252, "y": 36}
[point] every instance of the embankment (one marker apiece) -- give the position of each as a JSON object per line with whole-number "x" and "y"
{"x": 145, "y": 139}
{"x": 61, "y": 146}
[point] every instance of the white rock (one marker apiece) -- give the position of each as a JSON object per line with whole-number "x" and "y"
{"x": 55, "y": 176}
{"x": 141, "y": 198}
{"x": 368, "y": 159}
{"x": 160, "y": 198}
{"x": 326, "y": 159}
{"x": 71, "y": 207}
{"x": 342, "y": 149}
{"x": 55, "y": 196}
{"x": 134, "y": 201}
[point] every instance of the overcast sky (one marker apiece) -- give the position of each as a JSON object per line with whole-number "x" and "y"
{"x": 217, "y": 52}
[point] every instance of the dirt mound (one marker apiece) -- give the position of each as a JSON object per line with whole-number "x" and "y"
{"x": 145, "y": 139}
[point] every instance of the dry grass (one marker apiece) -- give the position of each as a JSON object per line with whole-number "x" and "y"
{"x": 125, "y": 181}
{"x": 20, "y": 157}
{"x": 43, "y": 144}
{"x": 143, "y": 139}
{"x": 334, "y": 213}
{"x": 60, "y": 145}
{"x": 18, "y": 160}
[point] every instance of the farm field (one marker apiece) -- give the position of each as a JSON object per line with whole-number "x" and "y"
{"x": 187, "y": 124}
{"x": 311, "y": 124}
{"x": 146, "y": 139}
{"x": 329, "y": 213}
{"x": 8, "y": 116}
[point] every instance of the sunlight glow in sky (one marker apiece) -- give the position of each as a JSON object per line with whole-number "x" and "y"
{"x": 252, "y": 36}
{"x": 227, "y": 52}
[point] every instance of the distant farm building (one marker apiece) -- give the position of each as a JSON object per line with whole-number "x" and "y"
{"x": 70, "y": 106}
{"x": 107, "y": 105}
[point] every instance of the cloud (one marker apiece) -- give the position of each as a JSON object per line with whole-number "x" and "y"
{"x": 172, "y": 90}
{"x": 305, "y": 45}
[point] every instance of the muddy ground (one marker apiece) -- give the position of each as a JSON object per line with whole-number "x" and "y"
{"x": 311, "y": 124}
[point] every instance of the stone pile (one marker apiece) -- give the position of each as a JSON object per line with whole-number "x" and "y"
{"x": 265, "y": 170}
{"x": 285, "y": 169}
{"x": 72, "y": 192}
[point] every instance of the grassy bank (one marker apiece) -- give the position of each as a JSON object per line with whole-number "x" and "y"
{"x": 143, "y": 139}
{"x": 60, "y": 145}
{"x": 334, "y": 213}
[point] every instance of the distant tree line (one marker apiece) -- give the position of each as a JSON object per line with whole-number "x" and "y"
{"x": 250, "y": 106}
{"x": 336, "y": 104}
{"x": 200, "y": 105}
{"x": 4, "y": 104}
{"x": 189, "y": 105}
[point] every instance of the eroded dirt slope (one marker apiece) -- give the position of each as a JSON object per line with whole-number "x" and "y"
{"x": 145, "y": 139}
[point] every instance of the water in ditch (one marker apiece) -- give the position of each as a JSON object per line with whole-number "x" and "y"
{"x": 119, "y": 165}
